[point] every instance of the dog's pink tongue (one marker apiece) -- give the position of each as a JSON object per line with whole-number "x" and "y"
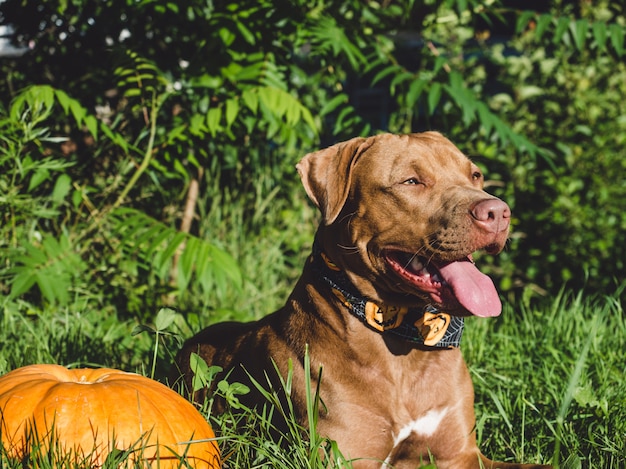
{"x": 472, "y": 289}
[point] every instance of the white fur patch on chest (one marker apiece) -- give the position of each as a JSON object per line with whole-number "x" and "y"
{"x": 425, "y": 426}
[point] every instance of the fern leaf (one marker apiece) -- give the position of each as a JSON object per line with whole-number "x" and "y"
{"x": 201, "y": 264}
{"x": 51, "y": 265}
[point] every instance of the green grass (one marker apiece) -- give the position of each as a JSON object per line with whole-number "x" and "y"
{"x": 549, "y": 381}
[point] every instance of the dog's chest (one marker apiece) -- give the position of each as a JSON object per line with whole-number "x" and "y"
{"x": 402, "y": 400}
{"x": 425, "y": 426}
{"x": 417, "y": 433}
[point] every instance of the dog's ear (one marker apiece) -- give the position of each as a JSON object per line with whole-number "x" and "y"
{"x": 326, "y": 175}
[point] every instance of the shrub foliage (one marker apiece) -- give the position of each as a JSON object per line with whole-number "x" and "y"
{"x": 126, "y": 123}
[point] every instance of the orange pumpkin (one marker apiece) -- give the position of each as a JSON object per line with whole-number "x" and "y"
{"x": 91, "y": 412}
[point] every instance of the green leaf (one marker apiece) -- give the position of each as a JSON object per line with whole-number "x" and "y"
{"x": 227, "y": 266}
{"x": 462, "y": 96}
{"x": 529, "y": 91}
{"x": 523, "y": 20}
{"x": 77, "y": 111}
{"x": 33, "y": 105}
{"x": 63, "y": 99}
{"x": 232, "y": 109}
{"x": 227, "y": 36}
{"x": 334, "y": 103}
{"x": 52, "y": 287}
{"x": 434, "y": 95}
{"x": 246, "y": 33}
{"x": 203, "y": 266}
{"x": 273, "y": 100}
{"x": 200, "y": 370}
{"x": 61, "y": 188}
{"x": 400, "y": 78}
{"x": 203, "y": 374}
{"x": 52, "y": 247}
{"x": 440, "y": 61}
{"x": 461, "y": 6}
{"x": 156, "y": 244}
{"x": 230, "y": 391}
{"x": 308, "y": 118}
{"x": 561, "y": 26}
{"x": 283, "y": 105}
{"x": 116, "y": 138}
{"x": 164, "y": 319}
{"x": 386, "y": 72}
{"x": 154, "y": 239}
{"x": 252, "y": 72}
{"x": 186, "y": 263}
{"x": 46, "y": 94}
{"x": 132, "y": 92}
{"x": 24, "y": 279}
{"x": 579, "y": 29}
{"x": 41, "y": 175}
{"x": 599, "y": 30}
{"x": 415, "y": 90}
{"x": 213, "y": 118}
{"x": 141, "y": 328}
{"x": 92, "y": 125}
{"x": 162, "y": 259}
{"x": 77, "y": 198}
{"x": 616, "y": 33}
{"x": 35, "y": 256}
{"x": 213, "y": 82}
{"x": 292, "y": 115}
{"x": 250, "y": 98}
{"x": 197, "y": 126}
{"x": 542, "y": 24}
{"x": 486, "y": 117}
{"x": 327, "y": 36}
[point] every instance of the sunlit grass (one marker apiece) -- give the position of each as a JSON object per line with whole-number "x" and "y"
{"x": 549, "y": 383}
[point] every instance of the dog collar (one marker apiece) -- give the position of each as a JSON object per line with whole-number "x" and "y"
{"x": 428, "y": 326}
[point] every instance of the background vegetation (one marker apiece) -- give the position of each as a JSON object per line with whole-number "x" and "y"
{"x": 147, "y": 158}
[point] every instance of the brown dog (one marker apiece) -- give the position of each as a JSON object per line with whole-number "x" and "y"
{"x": 381, "y": 301}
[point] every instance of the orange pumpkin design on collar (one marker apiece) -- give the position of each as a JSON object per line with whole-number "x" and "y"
{"x": 385, "y": 317}
{"x": 433, "y": 326}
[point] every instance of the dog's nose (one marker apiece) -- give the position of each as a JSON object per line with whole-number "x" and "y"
{"x": 492, "y": 215}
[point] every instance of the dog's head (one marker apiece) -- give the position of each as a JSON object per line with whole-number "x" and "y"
{"x": 402, "y": 215}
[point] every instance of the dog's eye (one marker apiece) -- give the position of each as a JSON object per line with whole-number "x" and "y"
{"x": 412, "y": 182}
{"x": 476, "y": 175}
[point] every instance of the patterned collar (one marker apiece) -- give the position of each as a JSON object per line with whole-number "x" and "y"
{"x": 429, "y": 326}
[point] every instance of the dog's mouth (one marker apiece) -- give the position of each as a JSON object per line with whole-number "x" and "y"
{"x": 454, "y": 285}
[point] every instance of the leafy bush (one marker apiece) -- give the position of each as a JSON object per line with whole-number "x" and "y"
{"x": 56, "y": 237}
{"x": 541, "y": 105}
{"x": 565, "y": 91}
{"x": 119, "y": 161}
